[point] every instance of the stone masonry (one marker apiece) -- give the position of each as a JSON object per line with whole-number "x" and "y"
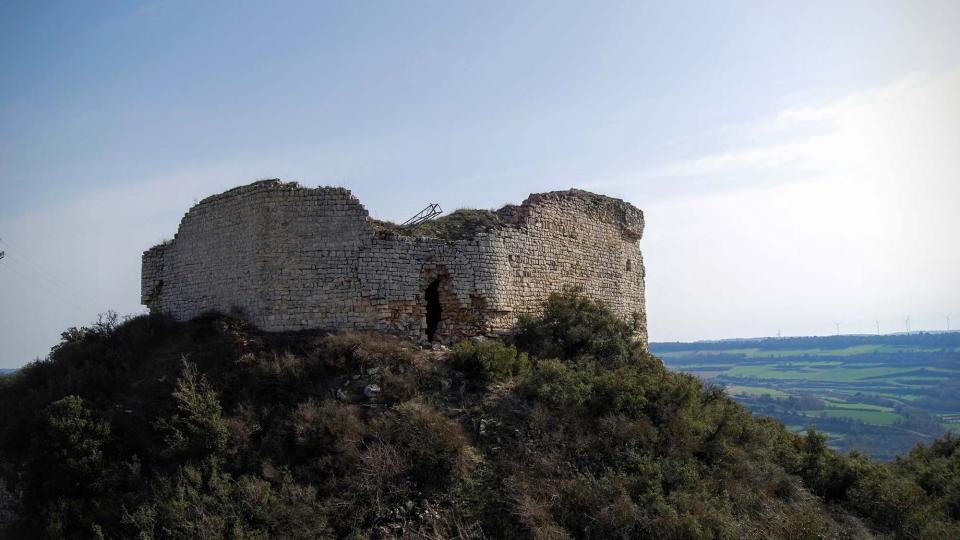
{"x": 293, "y": 258}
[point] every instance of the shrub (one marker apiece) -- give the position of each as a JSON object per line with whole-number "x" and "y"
{"x": 434, "y": 445}
{"x": 381, "y": 478}
{"x": 489, "y": 360}
{"x": 356, "y": 351}
{"x": 73, "y": 440}
{"x": 197, "y": 429}
{"x": 558, "y": 385}
{"x": 596, "y": 440}
{"x": 328, "y": 430}
{"x": 67, "y": 468}
{"x": 574, "y": 327}
{"x": 207, "y": 503}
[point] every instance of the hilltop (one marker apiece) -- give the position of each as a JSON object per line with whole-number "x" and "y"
{"x": 210, "y": 428}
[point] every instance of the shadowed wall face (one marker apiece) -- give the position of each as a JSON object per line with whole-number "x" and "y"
{"x": 293, "y": 258}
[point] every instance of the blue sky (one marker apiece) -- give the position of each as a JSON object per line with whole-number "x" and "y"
{"x": 797, "y": 161}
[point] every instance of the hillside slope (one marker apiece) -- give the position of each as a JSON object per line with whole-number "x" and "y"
{"x": 211, "y": 429}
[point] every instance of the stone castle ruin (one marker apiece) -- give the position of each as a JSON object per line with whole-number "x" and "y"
{"x": 293, "y": 258}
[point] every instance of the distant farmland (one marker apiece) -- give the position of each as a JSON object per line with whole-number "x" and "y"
{"x": 878, "y": 394}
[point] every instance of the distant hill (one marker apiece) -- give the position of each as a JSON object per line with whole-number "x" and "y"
{"x": 7, "y": 371}
{"x": 912, "y": 339}
{"x": 211, "y": 429}
{"x": 875, "y": 394}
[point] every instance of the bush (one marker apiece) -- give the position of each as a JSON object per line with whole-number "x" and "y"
{"x": 197, "y": 429}
{"x": 66, "y": 472}
{"x": 361, "y": 351}
{"x": 208, "y": 504}
{"x": 433, "y": 445}
{"x": 489, "y": 360}
{"x": 272, "y": 436}
{"x": 327, "y": 429}
{"x": 574, "y": 327}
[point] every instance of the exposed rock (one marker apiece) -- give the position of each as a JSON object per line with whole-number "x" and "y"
{"x": 372, "y": 390}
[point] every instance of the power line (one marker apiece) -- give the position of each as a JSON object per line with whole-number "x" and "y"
{"x": 64, "y": 290}
{"x": 35, "y": 267}
{"x": 53, "y": 292}
{"x": 35, "y": 273}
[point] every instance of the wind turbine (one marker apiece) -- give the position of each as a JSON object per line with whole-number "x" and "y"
{"x": 947, "y": 316}
{"x": 838, "y": 328}
{"x": 906, "y": 323}
{"x": 878, "y": 327}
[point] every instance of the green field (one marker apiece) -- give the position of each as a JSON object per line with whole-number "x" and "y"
{"x": 882, "y": 418}
{"x": 891, "y": 390}
{"x": 857, "y": 406}
{"x": 736, "y": 390}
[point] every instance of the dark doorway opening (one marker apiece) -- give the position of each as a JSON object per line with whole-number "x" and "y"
{"x": 434, "y": 311}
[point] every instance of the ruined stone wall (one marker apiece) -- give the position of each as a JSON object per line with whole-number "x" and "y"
{"x": 570, "y": 238}
{"x": 293, "y": 258}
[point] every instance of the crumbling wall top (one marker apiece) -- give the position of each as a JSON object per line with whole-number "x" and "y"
{"x": 467, "y": 223}
{"x": 274, "y": 185}
{"x": 464, "y": 223}
{"x": 606, "y": 209}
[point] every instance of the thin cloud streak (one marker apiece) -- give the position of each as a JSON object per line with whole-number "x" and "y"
{"x": 850, "y": 220}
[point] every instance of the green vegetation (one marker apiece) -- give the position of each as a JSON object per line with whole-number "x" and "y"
{"x": 879, "y": 394}
{"x": 460, "y": 224}
{"x": 211, "y": 429}
{"x": 834, "y": 403}
{"x": 755, "y": 391}
{"x": 870, "y": 417}
{"x": 489, "y": 360}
